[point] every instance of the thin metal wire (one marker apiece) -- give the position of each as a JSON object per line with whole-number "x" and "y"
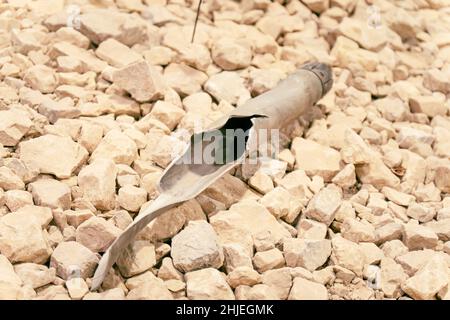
{"x": 196, "y": 19}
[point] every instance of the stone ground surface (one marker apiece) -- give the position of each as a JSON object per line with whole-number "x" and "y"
{"x": 95, "y": 96}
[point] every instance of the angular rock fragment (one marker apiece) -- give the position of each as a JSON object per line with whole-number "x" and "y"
{"x": 14, "y": 124}
{"x": 270, "y": 259}
{"x": 101, "y": 24}
{"x": 98, "y": 183}
{"x": 41, "y": 78}
{"x": 418, "y": 237}
{"x": 52, "y": 154}
{"x": 183, "y": 79}
{"x": 35, "y": 275}
{"x": 316, "y": 159}
{"x": 51, "y": 193}
{"x": 9, "y": 180}
{"x": 243, "y": 276}
{"x": 310, "y": 229}
{"x": 348, "y": 254}
{"x": 72, "y": 258}
{"x": 303, "y": 289}
{"x": 97, "y": 234}
{"x": 324, "y": 204}
{"x": 228, "y": 86}
{"x": 392, "y": 277}
{"x": 131, "y": 198}
{"x": 141, "y": 80}
{"x": 196, "y": 247}
{"x": 429, "y": 280}
{"x": 309, "y": 254}
{"x": 22, "y": 239}
{"x": 231, "y": 54}
{"x": 167, "y": 113}
{"x": 137, "y": 258}
{"x": 237, "y": 224}
{"x": 116, "y": 54}
{"x": 155, "y": 290}
{"x": 208, "y": 284}
{"x": 357, "y": 231}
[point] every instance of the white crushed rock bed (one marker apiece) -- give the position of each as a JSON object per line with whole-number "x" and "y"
{"x": 92, "y": 105}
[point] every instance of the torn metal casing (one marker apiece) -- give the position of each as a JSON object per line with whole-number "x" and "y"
{"x": 183, "y": 180}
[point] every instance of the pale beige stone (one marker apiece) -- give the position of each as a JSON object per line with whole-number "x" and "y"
{"x": 116, "y": 54}
{"x": 429, "y": 280}
{"x": 408, "y": 137}
{"x": 16, "y": 199}
{"x": 98, "y": 183}
{"x": 196, "y": 247}
{"x": 141, "y": 80}
{"x": 35, "y": 275}
{"x": 419, "y": 237}
{"x": 207, "y": 284}
{"x": 167, "y": 270}
{"x": 388, "y": 232}
{"x": 183, "y": 79}
{"x": 436, "y": 80}
{"x": 131, "y": 198}
{"x": 53, "y": 154}
{"x": 9, "y": 180}
{"x": 270, "y": 259}
{"x": 310, "y": 229}
{"x": 228, "y": 86}
{"x": 14, "y": 124}
{"x": 441, "y": 228}
{"x": 243, "y": 276}
{"x": 392, "y": 277}
{"x": 116, "y": 146}
{"x": 167, "y": 113}
{"x": 257, "y": 292}
{"x": 372, "y": 253}
{"x": 348, "y": 255}
{"x": 414, "y": 260}
{"x": 324, "y": 204}
{"x": 306, "y": 253}
{"x": 430, "y": 105}
{"x": 316, "y": 159}
{"x": 303, "y": 289}
{"x": 101, "y": 24}
{"x": 394, "y": 248}
{"x": 8, "y": 274}
{"x": 71, "y": 258}
{"x": 97, "y": 234}
{"x": 277, "y": 201}
{"x": 22, "y": 239}
{"x": 155, "y": 290}
{"x": 137, "y": 258}
{"x": 159, "y": 55}
{"x": 261, "y": 182}
{"x": 236, "y": 256}
{"x": 345, "y": 178}
{"x": 77, "y": 288}
{"x": 51, "y": 193}
{"x": 262, "y": 80}
{"x": 231, "y": 54}
{"x": 357, "y": 231}
{"x": 279, "y": 281}
{"x": 420, "y": 212}
{"x": 237, "y": 224}
{"x": 41, "y": 78}
{"x": 397, "y": 197}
